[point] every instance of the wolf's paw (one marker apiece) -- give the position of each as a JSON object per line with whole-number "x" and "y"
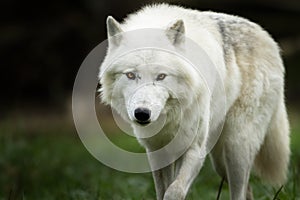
{"x": 175, "y": 192}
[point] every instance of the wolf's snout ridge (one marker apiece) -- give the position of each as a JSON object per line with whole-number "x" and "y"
{"x": 142, "y": 115}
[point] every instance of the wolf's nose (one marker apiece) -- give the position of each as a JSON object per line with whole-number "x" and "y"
{"x": 142, "y": 115}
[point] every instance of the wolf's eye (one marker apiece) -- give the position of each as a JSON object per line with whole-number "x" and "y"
{"x": 161, "y": 77}
{"x": 130, "y": 75}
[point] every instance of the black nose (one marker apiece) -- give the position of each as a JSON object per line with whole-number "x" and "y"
{"x": 142, "y": 115}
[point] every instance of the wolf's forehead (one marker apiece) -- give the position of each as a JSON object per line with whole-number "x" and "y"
{"x": 142, "y": 56}
{"x": 140, "y": 59}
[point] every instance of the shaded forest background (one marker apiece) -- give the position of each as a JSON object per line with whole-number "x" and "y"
{"x": 44, "y": 42}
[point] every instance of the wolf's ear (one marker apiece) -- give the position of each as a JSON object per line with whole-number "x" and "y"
{"x": 113, "y": 28}
{"x": 175, "y": 32}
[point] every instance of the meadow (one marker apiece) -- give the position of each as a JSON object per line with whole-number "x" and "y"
{"x": 42, "y": 157}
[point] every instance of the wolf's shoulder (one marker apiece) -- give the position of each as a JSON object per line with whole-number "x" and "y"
{"x": 160, "y": 15}
{"x": 155, "y": 16}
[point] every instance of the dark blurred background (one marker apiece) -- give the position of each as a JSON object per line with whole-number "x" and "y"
{"x": 44, "y": 42}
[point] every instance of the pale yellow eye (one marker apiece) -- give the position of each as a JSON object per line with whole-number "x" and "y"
{"x": 161, "y": 77}
{"x": 130, "y": 75}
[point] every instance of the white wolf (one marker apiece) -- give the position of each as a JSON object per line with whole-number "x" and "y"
{"x": 149, "y": 86}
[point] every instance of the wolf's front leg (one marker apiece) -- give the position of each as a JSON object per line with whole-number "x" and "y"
{"x": 162, "y": 179}
{"x": 159, "y": 186}
{"x": 192, "y": 162}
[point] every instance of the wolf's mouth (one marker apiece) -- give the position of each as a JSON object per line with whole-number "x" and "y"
{"x": 143, "y": 123}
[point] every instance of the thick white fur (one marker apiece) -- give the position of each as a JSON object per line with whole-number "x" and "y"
{"x": 256, "y": 130}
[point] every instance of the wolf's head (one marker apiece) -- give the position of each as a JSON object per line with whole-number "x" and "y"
{"x": 145, "y": 84}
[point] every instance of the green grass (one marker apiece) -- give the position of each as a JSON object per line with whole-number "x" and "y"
{"x": 43, "y": 162}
